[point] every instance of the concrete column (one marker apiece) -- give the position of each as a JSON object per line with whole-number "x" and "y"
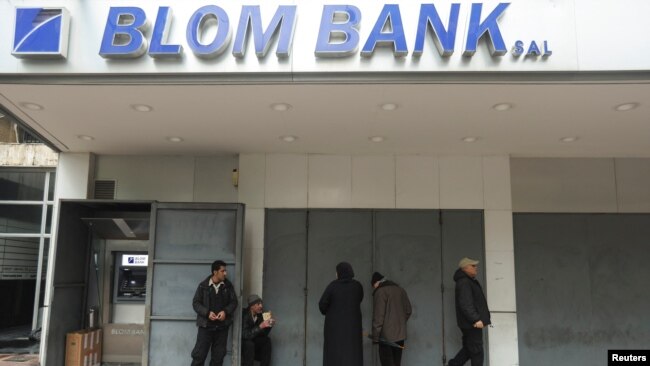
{"x": 500, "y": 262}
{"x": 74, "y": 176}
{"x": 252, "y": 178}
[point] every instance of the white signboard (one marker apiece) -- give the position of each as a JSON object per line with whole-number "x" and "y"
{"x": 135, "y": 260}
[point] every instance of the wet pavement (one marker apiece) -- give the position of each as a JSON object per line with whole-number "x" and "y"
{"x": 16, "y": 347}
{"x": 16, "y": 340}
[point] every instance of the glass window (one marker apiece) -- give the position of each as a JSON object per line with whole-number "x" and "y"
{"x": 41, "y": 295}
{"x": 21, "y": 186}
{"x": 48, "y": 220}
{"x": 19, "y": 258}
{"x": 21, "y": 219}
{"x": 46, "y": 253}
{"x": 50, "y": 192}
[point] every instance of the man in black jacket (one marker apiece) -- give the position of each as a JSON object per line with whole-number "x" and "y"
{"x": 472, "y": 313}
{"x": 256, "y": 344}
{"x": 214, "y": 302}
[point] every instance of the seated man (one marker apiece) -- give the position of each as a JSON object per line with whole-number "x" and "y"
{"x": 256, "y": 344}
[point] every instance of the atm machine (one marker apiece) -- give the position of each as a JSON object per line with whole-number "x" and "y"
{"x": 130, "y": 281}
{"x": 119, "y": 236}
{"x": 124, "y": 309}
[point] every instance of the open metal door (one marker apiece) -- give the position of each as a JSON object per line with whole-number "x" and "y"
{"x": 187, "y": 238}
{"x": 69, "y": 283}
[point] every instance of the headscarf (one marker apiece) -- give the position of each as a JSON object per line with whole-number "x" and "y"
{"x": 344, "y": 271}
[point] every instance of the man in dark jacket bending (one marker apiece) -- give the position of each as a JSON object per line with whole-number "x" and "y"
{"x": 214, "y": 302}
{"x": 472, "y": 313}
{"x": 256, "y": 344}
{"x": 391, "y": 310}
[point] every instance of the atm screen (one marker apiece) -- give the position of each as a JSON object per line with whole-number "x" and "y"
{"x": 132, "y": 282}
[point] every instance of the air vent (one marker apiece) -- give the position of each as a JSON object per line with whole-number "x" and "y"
{"x": 105, "y": 189}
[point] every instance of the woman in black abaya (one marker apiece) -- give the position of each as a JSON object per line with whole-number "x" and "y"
{"x": 341, "y": 305}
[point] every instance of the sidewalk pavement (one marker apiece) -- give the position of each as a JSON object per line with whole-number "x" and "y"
{"x": 19, "y": 360}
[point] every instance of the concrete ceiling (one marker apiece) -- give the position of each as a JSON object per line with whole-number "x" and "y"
{"x": 340, "y": 118}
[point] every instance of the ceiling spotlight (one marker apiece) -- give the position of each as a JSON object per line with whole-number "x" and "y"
{"x": 288, "y": 138}
{"x": 174, "y": 139}
{"x": 141, "y": 108}
{"x": 32, "y": 106}
{"x": 85, "y": 137}
{"x": 626, "y": 107}
{"x": 569, "y": 139}
{"x": 470, "y": 139}
{"x": 377, "y": 138}
{"x": 389, "y": 106}
{"x": 502, "y": 107}
{"x": 281, "y": 107}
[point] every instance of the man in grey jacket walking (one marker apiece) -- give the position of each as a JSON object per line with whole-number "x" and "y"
{"x": 391, "y": 310}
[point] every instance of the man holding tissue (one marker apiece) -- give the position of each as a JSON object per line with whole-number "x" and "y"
{"x": 256, "y": 326}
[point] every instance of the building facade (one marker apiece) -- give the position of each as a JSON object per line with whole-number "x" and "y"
{"x": 534, "y": 114}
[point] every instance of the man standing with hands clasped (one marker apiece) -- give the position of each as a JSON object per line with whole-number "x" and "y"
{"x": 472, "y": 313}
{"x": 214, "y": 302}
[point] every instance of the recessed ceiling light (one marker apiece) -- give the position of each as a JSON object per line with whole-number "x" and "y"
{"x": 389, "y": 106}
{"x": 569, "y": 139}
{"x": 470, "y": 139}
{"x": 502, "y": 107}
{"x": 174, "y": 139}
{"x": 281, "y": 107}
{"x": 288, "y": 138}
{"x": 626, "y": 107}
{"x": 377, "y": 138}
{"x": 32, "y": 106}
{"x": 85, "y": 137}
{"x": 141, "y": 108}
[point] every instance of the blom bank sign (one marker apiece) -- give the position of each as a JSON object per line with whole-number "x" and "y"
{"x": 286, "y": 37}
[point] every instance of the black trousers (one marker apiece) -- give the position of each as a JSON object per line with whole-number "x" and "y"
{"x": 472, "y": 348}
{"x": 210, "y": 339}
{"x": 389, "y": 355}
{"x": 257, "y": 349}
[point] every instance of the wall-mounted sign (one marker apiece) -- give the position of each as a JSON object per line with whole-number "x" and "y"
{"x": 43, "y": 32}
{"x": 135, "y": 260}
{"x": 338, "y": 34}
{"x": 313, "y": 37}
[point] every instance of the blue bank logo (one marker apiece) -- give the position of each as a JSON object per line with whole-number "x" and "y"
{"x": 131, "y": 260}
{"x": 41, "y": 33}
